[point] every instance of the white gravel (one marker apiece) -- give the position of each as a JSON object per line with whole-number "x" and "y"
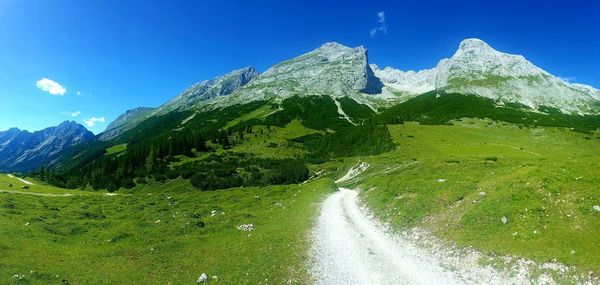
{"x": 354, "y": 171}
{"x": 351, "y": 248}
{"x": 20, "y": 179}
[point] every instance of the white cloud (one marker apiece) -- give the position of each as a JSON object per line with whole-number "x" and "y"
{"x": 568, "y": 78}
{"x": 373, "y": 32}
{"x": 79, "y": 93}
{"x": 72, "y": 114}
{"x": 381, "y": 25}
{"x": 51, "y": 87}
{"x": 93, "y": 120}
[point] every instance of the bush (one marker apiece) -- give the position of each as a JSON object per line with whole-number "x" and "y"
{"x": 235, "y": 170}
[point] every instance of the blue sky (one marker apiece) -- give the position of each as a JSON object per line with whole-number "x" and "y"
{"x": 109, "y": 56}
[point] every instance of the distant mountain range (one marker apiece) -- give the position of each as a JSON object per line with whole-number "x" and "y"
{"x": 336, "y": 70}
{"x": 333, "y": 71}
{"x": 24, "y": 151}
{"x": 476, "y": 68}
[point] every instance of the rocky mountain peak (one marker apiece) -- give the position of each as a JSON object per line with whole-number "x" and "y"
{"x": 331, "y": 69}
{"x": 477, "y": 68}
{"x": 69, "y": 124}
{"x": 474, "y": 45}
{"x": 26, "y": 151}
{"x": 209, "y": 89}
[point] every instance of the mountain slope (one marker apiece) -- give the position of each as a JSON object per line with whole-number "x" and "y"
{"x": 25, "y": 151}
{"x": 332, "y": 69}
{"x": 209, "y": 89}
{"x": 200, "y": 92}
{"x": 125, "y": 122}
{"x": 477, "y": 68}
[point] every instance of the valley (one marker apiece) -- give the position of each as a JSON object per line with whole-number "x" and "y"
{"x": 162, "y": 233}
{"x": 483, "y": 169}
{"x": 450, "y": 182}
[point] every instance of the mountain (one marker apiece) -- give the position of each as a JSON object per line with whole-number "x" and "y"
{"x": 24, "y": 151}
{"x": 336, "y": 70}
{"x": 7, "y": 136}
{"x": 209, "y": 89}
{"x": 321, "y": 105}
{"x": 200, "y": 92}
{"x": 332, "y": 69}
{"x": 125, "y": 122}
{"x": 477, "y": 68}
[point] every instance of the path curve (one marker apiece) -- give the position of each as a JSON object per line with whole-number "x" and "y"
{"x": 352, "y": 248}
{"x": 36, "y": 194}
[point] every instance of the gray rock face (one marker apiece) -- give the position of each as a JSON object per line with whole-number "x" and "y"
{"x": 188, "y": 99}
{"x": 25, "y": 151}
{"x": 332, "y": 69}
{"x": 209, "y": 89}
{"x": 125, "y": 122}
{"x": 477, "y": 68}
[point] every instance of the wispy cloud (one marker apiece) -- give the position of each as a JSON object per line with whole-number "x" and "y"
{"x": 51, "y": 86}
{"x": 91, "y": 122}
{"x": 381, "y": 25}
{"x": 79, "y": 93}
{"x": 72, "y": 114}
{"x": 568, "y": 78}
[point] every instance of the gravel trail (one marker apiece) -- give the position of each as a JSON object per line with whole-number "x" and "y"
{"x": 352, "y": 248}
{"x": 36, "y": 194}
{"x": 20, "y": 179}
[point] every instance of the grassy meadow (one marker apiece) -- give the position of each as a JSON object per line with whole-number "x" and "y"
{"x": 157, "y": 234}
{"x": 461, "y": 181}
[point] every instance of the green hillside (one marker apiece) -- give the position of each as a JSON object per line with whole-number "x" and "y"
{"x": 499, "y": 178}
{"x": 459, "y": 181}
{"x": 157, "y": 234}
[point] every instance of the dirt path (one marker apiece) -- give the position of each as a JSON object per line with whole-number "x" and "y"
{"x": 36, "y": 194}
{"x": 351, "y": 248}
{"x": 20, "y": 179}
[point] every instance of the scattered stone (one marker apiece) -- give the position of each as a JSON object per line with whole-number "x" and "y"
{"x": 203, "y": 278}
{"x": 482, "y": 194}
{"x": 27, "y": 224}
{"x": 157, "y": 221}
{"x": 441, "y": 180}
{"x": 213, "y": 213}
{"x": 597, "y": 208}
{"x": 504, "y": 220}
{"x": 246, "y": 227}
{"x": 18, "y": 277}
{"x": 515, "y": 234}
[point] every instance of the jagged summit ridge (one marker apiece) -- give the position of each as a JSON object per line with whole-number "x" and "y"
{"x": 209, "y": 89}
{"x": 126, "y": 121}
{"x": 337, "y": 70}
{"x": 473, "y": 44}
{"x": 190, "y": 98}
{"x": 477, "y": 68}
{"x": 332, "y": 69}
{"x": 24, "y": 151}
